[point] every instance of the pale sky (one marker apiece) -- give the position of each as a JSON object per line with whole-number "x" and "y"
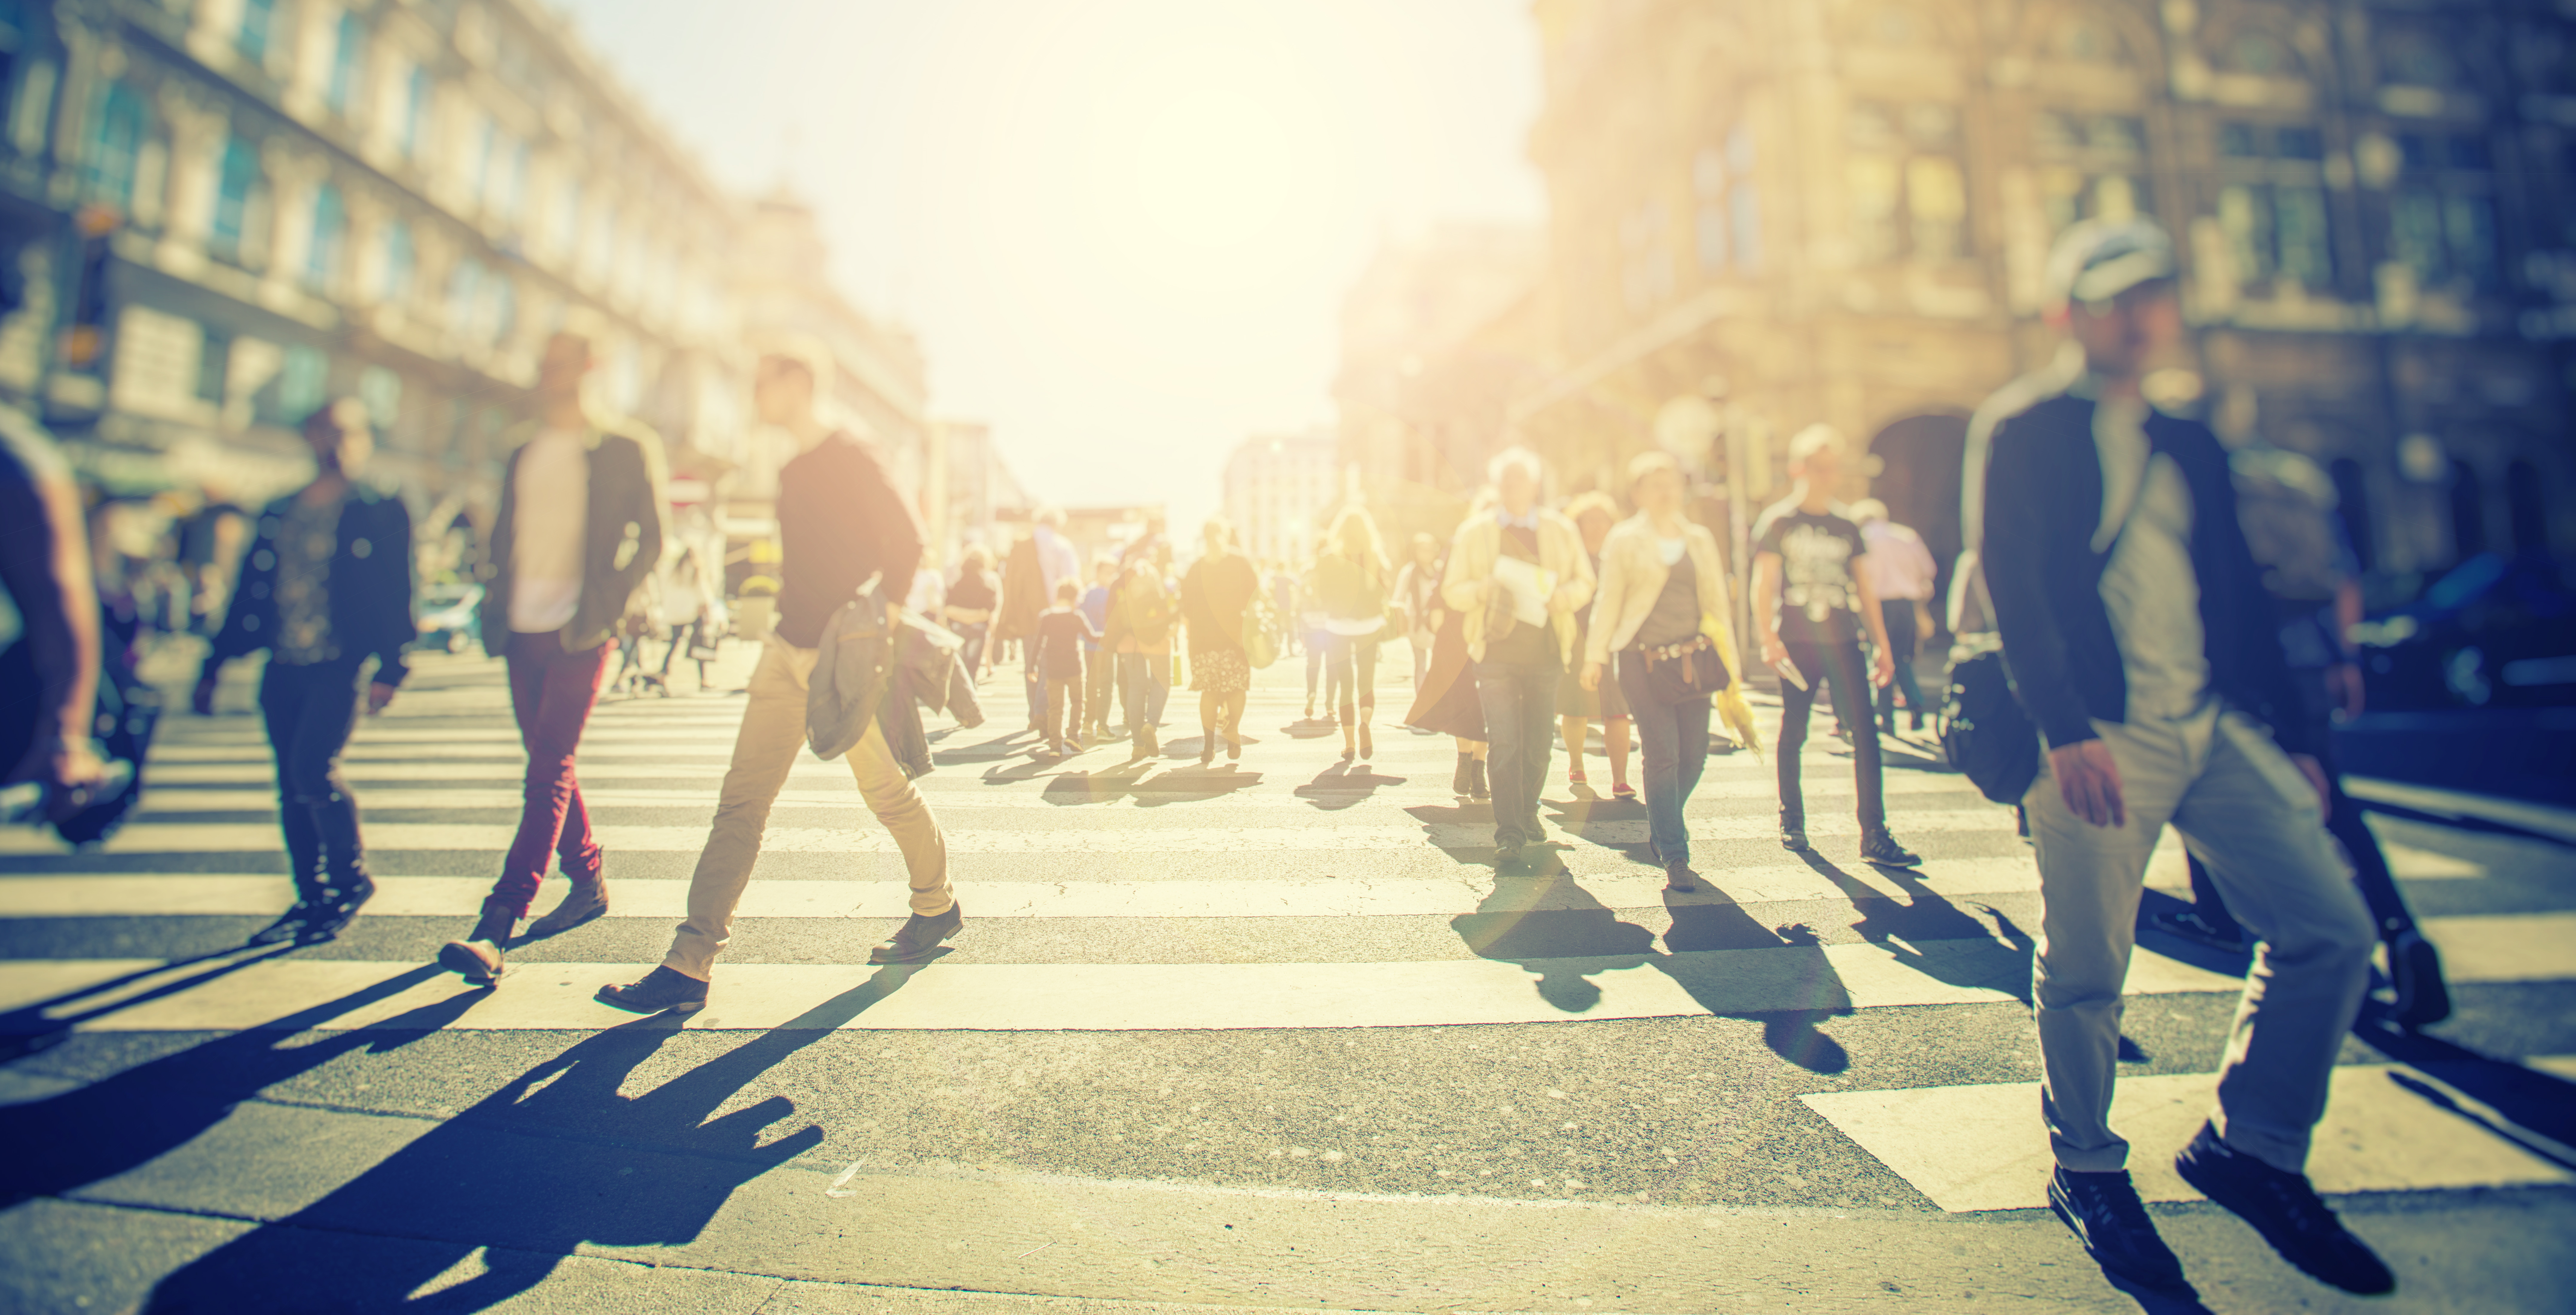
{"x": 1122, "y": 228}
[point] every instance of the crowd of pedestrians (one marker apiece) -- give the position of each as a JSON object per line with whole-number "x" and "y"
{"x": 2174, "y": 671}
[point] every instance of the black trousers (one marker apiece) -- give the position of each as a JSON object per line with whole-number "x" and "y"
{"x": 1842, "y": 675}
{"x": 310, "y": 711}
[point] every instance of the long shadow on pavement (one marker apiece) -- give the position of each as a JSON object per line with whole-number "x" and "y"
{"x": 558, "y": 1158}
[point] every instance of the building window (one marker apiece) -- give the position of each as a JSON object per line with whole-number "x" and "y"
{"x": 2352, "y": 507}
{"x": 303, "y": 382}
{"x": 237, "y": 178}
{"x": 115, "y": 144}
{"x": 508, "y": 179}
{"x": 2468, "y": 510}
{"x": 347, "y": 45}
{"x": 330, "y": 236}
{"x": 567, "y": 217}
{"x": 214, "y": 360}
{"x": 258, "y": 22}
{"x": 2272, "y": 209}
{"x": 1908, "y": 196}
{"x": 400, "y": 263}
{"x": 415, "y": 112}
{"x": 2441, "y": 218}
{"x": 463, "y": 288}
{"x": 2093, "y": 167}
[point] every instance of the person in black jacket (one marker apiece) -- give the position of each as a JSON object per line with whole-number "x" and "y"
{"x": 2138, "y": 636}
{"x": 326, "y": 586}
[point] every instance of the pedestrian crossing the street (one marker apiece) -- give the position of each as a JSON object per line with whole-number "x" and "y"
{"x": 1289, "y": 890}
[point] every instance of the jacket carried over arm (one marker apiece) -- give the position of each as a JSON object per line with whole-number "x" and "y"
{"x": 621, "y": 538}
{"x": 369, "y": 591}
{"x": 1472, "y": 555}
{"x": 2043, "y": 504}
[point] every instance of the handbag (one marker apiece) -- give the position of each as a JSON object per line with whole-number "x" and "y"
{"x": 1985, "y": 733}
{"x": 1684, "y": 672}
{"x": 1259, "y": 638}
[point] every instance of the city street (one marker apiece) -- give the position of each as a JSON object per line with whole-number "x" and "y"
{"x": 1270, "y": 1034}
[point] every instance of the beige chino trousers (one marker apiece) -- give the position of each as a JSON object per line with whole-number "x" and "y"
{"x": 2243, "y": 807}
{"x": 772, "y": 735}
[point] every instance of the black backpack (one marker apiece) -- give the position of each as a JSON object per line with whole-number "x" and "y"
{"x": 1985, "y": 733}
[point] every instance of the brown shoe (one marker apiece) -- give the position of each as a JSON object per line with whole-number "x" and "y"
{"x": 585, "y": 901}
{"x": 477, "y": 958}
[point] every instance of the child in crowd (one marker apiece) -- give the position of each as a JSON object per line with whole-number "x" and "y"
{"x": 1063, "y": 633}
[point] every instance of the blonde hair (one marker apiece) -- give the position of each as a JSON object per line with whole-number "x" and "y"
{"x": 1813, "y": 439}
{"x": 1647, "y": 464}
{"x": 1354, "y": 534}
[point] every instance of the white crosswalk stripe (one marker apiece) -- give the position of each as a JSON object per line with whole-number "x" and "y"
{"x": 1287, "y": 834}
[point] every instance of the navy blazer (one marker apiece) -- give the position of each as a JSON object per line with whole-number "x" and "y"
{"x": 370, "y": 585}
{"x": 2043, "y": 505}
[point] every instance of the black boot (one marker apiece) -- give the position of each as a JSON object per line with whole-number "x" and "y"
{"x": 2416, "y": 968}
{"x": 1464, "y": 781}
{"x": 919, "y": 937}
{"x": 345, "y": 885}
{"x": 477, "y": 958}
{"x": 1793, "y": 832}
{"x": 1476, "y": 787}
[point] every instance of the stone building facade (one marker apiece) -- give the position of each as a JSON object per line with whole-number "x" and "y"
{"x": 1765, "y": 215}
{"x": 233, "y": 209}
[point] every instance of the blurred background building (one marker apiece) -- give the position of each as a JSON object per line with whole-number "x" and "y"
{"x": 1278, "y": 489}
{"x": 233, "y": 209}
{"x": 1766, "y": 215}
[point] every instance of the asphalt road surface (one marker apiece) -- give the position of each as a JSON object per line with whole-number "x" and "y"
{"x": 1268, "y": 1034}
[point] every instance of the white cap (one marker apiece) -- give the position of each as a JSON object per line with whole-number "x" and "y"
{"x": 2095, "y": 260}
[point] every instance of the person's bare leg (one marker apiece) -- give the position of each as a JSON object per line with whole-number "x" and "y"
{"x": 1616, "y": 731}
{"x": 1577, "y": 731}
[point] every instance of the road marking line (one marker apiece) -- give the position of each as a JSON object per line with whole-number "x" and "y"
{"x": 237, "y": 894}
{"x": 1984, "y": 1148}
{"x": 1075, "y": 832}
{"x": 945, "y": 996}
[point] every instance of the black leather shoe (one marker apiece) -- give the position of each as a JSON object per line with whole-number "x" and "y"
{"x": 585, "y": 901}
{"x": 1793, "y": 834}
{"x": 919, "y": 937}
{"x": 663, "y": 990}
{"x": 1458, "y": 783}
{"x": 2416, "y": 967}
{"x": 478, "y": 957}
{"x": 2108, "y": 1218}
{"x": 2287, "y": 1211}
{"x": 1877, "y": 846}
{"x": 1476, "y": 785}
{"x": 1679, "y": 877}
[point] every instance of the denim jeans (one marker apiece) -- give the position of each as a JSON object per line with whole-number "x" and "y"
{"x": 1144, "y": 682}
{"x": 1520, "y": 714}
{"x": 1350, "y": 675}
{"x": 310, "y": 711}
{"x": 1845, "y": 676}
{"x": 1674, "y": 741}
{"x": 1900, "y": 637}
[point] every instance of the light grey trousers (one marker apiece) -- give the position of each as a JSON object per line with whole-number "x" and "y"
{"x": 2245, "y": 809}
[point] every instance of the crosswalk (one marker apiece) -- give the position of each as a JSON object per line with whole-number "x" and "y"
{"x": 1286, "y": 891}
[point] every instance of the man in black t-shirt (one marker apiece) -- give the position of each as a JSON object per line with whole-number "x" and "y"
{"x": 1811, "y": 605}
